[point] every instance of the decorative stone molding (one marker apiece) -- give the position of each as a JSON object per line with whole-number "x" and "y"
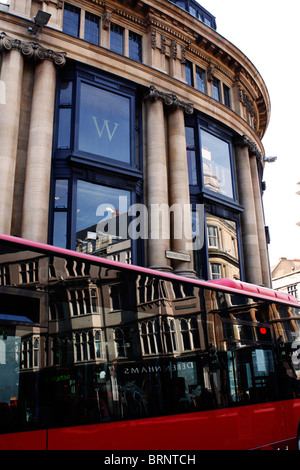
{"x": 210, "y": 72}
{"x": 183, "y": 58}
{"x": 58, "y": 3}
{"x": 153, "y": 38}
{"x": 244, "y": 141}
{"x": 246, "y": 100}
{"x": 106, "y": 19}
{"x": 163, "y": 44}
{"x": 169, "y": 99}
{"x": 173, "y": 49}
{"x": 31, "y": 50}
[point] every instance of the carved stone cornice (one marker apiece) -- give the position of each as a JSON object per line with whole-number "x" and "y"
{"x": 244, "y": 141}
{"x": 31, "y": 50}
{"x": 169, "y": 99}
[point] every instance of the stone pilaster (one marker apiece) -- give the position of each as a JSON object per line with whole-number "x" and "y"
{"x": 38, "y": 167}
{"x": 167, "y": 181}
{"x": 14, "y": 51}
{"x": 157, "y": 185}
{"x": 179, "y": 195}
{"x": 11, "y": 78}
{"x": 251, "y": 249}
{"x": 260, "y": 222}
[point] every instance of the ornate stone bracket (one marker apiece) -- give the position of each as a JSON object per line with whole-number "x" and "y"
{"x": 169, "y": 99}
{"x": 31, "y": 50}
{"x": 244, "y": 141}
{"x": 106, "y": 19}
{"x": 59, "y": 3}
{"x": 246, "y": 100}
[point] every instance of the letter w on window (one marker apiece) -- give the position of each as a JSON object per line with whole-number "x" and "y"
{"x": 110, "y": 133}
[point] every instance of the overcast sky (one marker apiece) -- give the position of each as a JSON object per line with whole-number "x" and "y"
{"x": 267, "y": 32}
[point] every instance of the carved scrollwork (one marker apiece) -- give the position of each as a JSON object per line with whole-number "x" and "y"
{"x": 244, "y": 141}
{"x": 31, "y": 50}
{"x": 169, "y": 99}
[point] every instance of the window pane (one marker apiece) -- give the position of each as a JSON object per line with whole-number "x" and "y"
{"x": 65, "y": 97}
{"x": 215, "y": 271}
{"x": 135, "y": 46}
{"x": 226, "y": 91}
{"x": 60, "y": 229}
{"x": 223, "y": 247}
{"x": 64, "y": 130}
{"x": 200, "y": 75}
{"x": 216, "y": 89}
{"x": 191, "y": 155}
{"x": 91, "y": 28}
{"x": 61, "y": 194}
{"x": 104, "y": 123}
{"x": 216, "y": 164}
{"x": 116, "y": 38}
{"x": 197, "y": 244}
{"x": 189, "y": 73}
{"x": 102, "y": 223}
{"x": 71, "y": 20}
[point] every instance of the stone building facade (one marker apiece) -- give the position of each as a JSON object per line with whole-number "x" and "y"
{"x": 286, "y": 276}
{"x": 132, "y": 129}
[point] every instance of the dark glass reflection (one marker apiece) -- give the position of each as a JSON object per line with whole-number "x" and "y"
{"x": 83, "y": 342}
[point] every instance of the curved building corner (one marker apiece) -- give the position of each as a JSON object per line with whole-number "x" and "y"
{"x": 132, "y": 130}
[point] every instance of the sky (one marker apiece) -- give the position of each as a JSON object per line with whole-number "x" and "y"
{"x": 265, "y": 31}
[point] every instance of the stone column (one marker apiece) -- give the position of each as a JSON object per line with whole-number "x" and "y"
{"x": 248, "y": 218}
{"x": 11, "y": 79}
{"x": 157, "y": 183}
{"x": 38, "y": 168}
{"x": 260, "y": 223}
{"x": 179, "y": 195}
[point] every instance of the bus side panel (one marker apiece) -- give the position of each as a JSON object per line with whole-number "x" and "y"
{"x": 292, "y": 417}
{"x": 236, "y": 428}
{"x": 34, "y": 440}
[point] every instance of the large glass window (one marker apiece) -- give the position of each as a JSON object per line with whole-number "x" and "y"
{"x": 101, "y": 219}
{"x": 216, "y": 164}
{"x": 215, "y": 223}
{"x": 96, "y": 161}
{"x": 104, "y": 123}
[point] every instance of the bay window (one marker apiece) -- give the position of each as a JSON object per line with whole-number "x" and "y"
{"x": 96, "y": 163}
{"x": 216, "y": 228}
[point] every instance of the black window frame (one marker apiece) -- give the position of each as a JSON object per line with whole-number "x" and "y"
{"x": 72, "y": 164}
{"x": 214, "y": 203}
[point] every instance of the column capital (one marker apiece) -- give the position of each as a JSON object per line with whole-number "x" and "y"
{"x": 169, "y": 99}
{"x": 31, "y": 50}
{"x": 244, "y": 141}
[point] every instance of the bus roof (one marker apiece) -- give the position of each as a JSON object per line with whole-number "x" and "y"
{"x": 228, "y": 285}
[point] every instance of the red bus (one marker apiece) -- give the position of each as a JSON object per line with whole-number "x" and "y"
{"x": 95, "y": 354}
